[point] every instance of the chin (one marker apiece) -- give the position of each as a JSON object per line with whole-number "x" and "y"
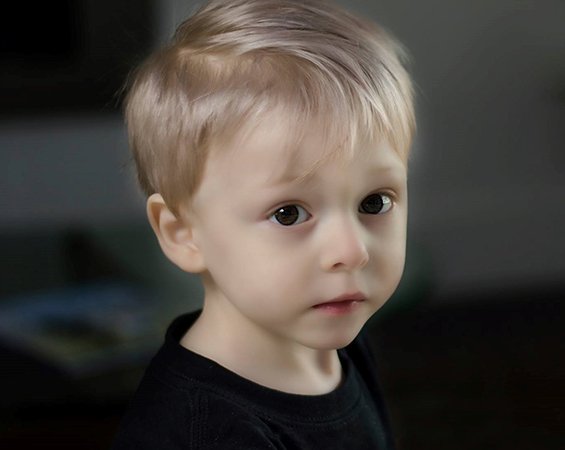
{"x": 335, "y": 341}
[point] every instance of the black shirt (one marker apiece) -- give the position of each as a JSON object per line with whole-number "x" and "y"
{"x": 187, "y": 401}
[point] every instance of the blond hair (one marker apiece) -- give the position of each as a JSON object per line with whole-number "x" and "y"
{"x": 235, "y": 60}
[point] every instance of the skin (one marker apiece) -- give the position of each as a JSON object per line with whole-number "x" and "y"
{"x": 262, "y": 279}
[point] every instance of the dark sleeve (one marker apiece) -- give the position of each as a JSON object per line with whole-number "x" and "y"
{"x": 157, "y": 418}
{"x": 165, "y": 418}
{"x": 231, "y": 435}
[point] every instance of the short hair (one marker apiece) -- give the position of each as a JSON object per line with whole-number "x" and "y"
{"x": 235, "y": 60}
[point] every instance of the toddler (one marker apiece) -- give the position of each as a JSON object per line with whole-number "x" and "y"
{"x": 271, "y": 138}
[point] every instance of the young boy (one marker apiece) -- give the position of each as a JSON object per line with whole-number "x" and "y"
{"x": 271, "y": 137}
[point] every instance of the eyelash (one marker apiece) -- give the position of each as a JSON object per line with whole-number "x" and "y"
{"x": 292, "y": 213}
{"x": 386, "y": 203}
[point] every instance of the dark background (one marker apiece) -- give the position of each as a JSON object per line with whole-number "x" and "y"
{"x": 471, "y": 346}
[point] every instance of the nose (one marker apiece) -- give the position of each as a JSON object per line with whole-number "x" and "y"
{"x": 344, "y": 246}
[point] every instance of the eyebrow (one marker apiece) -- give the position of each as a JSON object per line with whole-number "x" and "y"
{"x": 306, "y": 177}
{"x": 290, "y": 177}
{"x": 393, "y": 171}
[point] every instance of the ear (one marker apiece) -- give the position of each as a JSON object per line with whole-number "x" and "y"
{"x": 175, "y": 235}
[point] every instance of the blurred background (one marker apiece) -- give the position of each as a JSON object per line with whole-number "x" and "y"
{"x": 470, "y": 348}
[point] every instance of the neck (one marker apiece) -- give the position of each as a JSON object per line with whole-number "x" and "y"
{"x": 262, "y": 357}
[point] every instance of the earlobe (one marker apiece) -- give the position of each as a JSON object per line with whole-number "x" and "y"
{"x": 175, "y": 235}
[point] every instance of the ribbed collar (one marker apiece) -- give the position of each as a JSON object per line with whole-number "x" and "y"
{"x": 181, "y": 367}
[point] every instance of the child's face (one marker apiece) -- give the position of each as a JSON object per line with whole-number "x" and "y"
{"x": 277, "y": 250}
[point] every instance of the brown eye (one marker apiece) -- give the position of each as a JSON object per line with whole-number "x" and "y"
{"x": 375, "y": 204}
{"x": 290, "y": 215}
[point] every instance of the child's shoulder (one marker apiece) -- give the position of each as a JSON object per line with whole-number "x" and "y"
{"x": 188, "y": 401}
{"x": 166, "y": 415}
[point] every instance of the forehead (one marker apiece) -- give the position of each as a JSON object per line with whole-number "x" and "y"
{"x": 284, "y": 149}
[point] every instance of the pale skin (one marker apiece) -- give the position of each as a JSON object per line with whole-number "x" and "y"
{"x": 264, "y": 280}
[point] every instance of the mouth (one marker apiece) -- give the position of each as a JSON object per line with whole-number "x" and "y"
{"x": 342, "y": 304}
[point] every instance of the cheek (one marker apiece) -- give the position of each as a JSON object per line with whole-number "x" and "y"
{"x": 389, "y": 255}
{"x": 249, "y": 267}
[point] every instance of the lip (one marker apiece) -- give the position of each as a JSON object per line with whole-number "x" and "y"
{"x": 341, "y": 305}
